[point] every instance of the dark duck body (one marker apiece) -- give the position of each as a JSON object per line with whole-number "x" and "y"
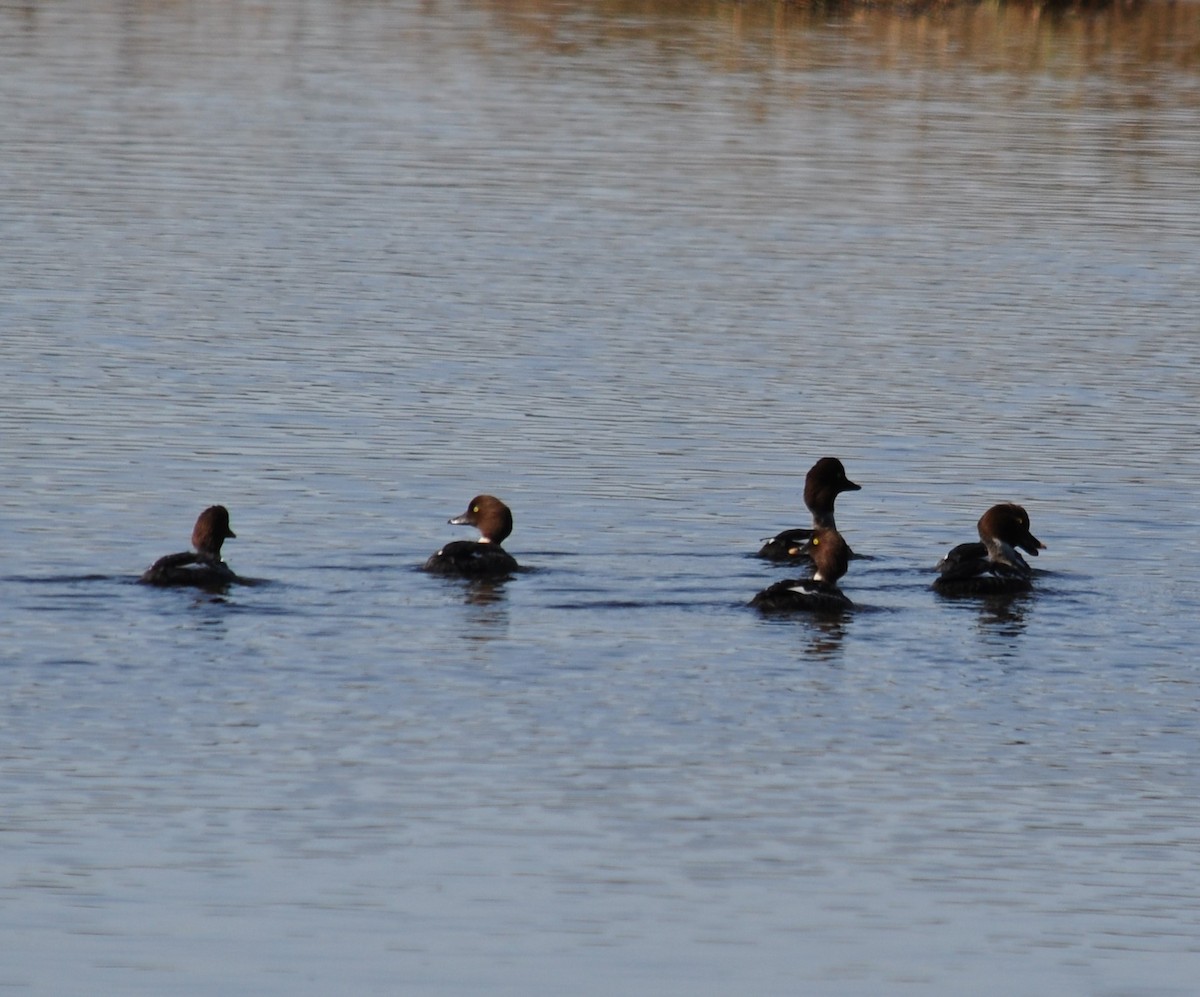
{"x": 203, "y": 567}
{"x": 994, "y": 565}
{"x": 825, "y": 481}
{"x": 830, "y": 556}
{"x": 482, "y": 558}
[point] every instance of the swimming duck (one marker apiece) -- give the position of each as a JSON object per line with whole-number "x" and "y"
{"x": 830, "y": 556}
{"x": 203, "y": 567}
{"x": 825, "y": 481}
{"x": 482, "y": 558}
{"x": 992, "y": 566}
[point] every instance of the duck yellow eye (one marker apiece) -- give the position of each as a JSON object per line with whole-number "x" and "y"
{"x": 815, "y": 541}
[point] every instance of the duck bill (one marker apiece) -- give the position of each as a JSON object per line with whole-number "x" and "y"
{"x": 1031, "y": 545}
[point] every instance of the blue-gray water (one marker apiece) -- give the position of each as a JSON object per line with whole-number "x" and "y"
{"x": 341, "y": 265}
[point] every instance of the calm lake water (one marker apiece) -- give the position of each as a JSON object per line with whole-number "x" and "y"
{"x": 632, "y": 267}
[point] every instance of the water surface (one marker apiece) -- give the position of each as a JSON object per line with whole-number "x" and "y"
{"x": 632, "y": 267}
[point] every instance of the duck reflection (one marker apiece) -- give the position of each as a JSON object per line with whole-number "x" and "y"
{"x": 484, "y": 592}
{"x": 206, "y": 619}
{"x": 825, "y": 636}
{"x": 487, "y": 616}
{"x": 1003, "y": 615}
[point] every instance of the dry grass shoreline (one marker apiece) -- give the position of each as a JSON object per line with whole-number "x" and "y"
{"x": 1125, "y": 37}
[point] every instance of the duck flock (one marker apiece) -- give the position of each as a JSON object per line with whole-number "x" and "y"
{"x": 993, "y": 565}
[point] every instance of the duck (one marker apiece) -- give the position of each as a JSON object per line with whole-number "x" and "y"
{"x": 993, "y": 565}
{"x": 482, "y": 558}
{"x": 830, "y": 556}
{"x": 201, "y": 567}
{"x": 825, "y": 481}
